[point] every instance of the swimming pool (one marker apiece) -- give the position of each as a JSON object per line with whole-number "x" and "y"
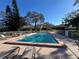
{"x": 43, "y": 37}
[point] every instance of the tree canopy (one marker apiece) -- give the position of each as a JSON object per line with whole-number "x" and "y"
{"x": 35, "y": 17}
{"x": 76, "y": 2}
{"x": 14, "y": 22}
{"x": 72, "y": 19}
{"x": 16, "y": 16}
{"x": 11, "y": 18}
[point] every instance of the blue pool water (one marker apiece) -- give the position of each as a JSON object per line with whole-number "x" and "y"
{"x": 40, "y": 38}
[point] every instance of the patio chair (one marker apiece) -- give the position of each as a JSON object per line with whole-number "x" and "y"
{"x": 9, "y": 53}
{"x": 2, "y": 37}
{"x": 28, "y": 54}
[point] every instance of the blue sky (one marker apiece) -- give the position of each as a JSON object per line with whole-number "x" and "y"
{"x": 53, "y": 10}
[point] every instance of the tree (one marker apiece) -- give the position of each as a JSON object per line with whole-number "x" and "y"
{"x": 75, "y": 21}
{"x": 16, "y": 16}
{"x": 7, "y": 19}
{"x": 2, "y": 18}
{"x": 47, "y": 25}
{"x": 35, "y": 18}
{"x": 72, "y": 19}
{"x": 22, "y": 22}
{"x": 76, "y": 2}
{"x": 2, "y": 14}
{"x": 11, "y": 19}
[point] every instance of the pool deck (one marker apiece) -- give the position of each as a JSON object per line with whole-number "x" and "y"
{"x": 49, "y": 53}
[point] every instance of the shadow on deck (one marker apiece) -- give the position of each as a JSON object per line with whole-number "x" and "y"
{"x": 60, "y": 53}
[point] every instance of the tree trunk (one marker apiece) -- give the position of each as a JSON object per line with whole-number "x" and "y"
{"x": 35, "y": 27}
{"x": 76, "y": 27}
{"x": 41, "y": 28}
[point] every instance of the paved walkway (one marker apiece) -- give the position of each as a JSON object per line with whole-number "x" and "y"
{"x": 70, "y": 43}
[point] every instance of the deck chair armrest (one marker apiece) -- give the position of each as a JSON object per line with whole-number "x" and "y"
{"x": 77, "y": 43}
{"x": 12, "y": 53}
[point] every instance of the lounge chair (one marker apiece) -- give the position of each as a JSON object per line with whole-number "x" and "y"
{"x": 2, "y": 37}
{"x": 28, "y": 54}
{"x": 9, "y": 53}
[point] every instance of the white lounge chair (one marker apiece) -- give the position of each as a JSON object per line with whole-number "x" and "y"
{"x": 9, "y": 53}
{"x": 2, "y": 37}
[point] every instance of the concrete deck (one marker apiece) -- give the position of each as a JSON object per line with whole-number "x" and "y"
{"x": 49, "y": 53}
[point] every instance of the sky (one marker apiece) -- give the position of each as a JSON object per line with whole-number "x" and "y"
{"x": 53, "y": 10}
